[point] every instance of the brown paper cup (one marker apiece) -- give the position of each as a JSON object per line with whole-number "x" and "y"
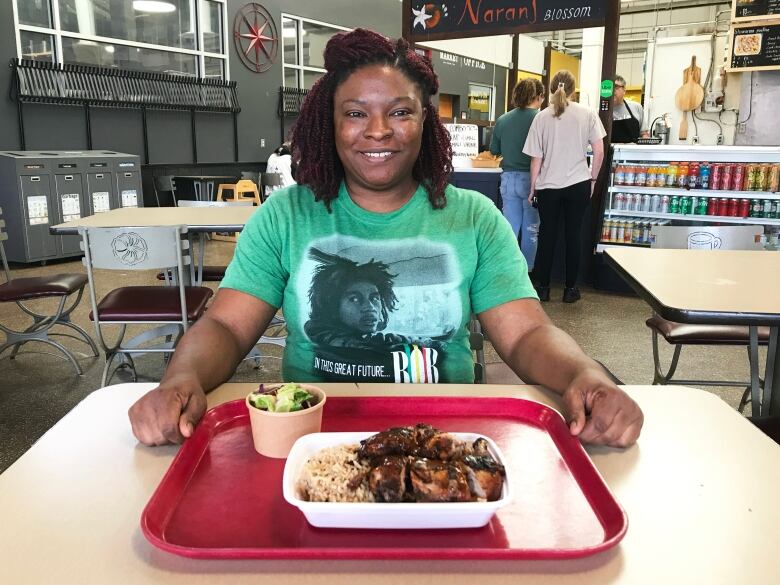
{"x": 274, "y": 433}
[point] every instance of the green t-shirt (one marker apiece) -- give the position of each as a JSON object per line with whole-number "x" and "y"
{"x": 509, "y": 138}
{"x": 381, "y": 297}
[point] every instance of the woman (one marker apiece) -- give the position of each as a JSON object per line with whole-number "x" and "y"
{"x": 508, "y": 139}
{"x": 561, "y": 181}
{"x": 374, "y": 162}
{"x": 280, "y": 163}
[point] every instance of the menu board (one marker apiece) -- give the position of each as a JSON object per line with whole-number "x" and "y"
{"x": 465, "y": 143}
{"x": 755, "y": 47}
{"x": 756, "y": 9}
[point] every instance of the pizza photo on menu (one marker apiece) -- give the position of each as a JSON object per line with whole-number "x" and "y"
{"x": 747, "y": 45}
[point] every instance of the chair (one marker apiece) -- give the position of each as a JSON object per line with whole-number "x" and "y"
{"x": 61, "y": 286}
{"x": 240, "y": 191}
{"x": 270, "y": 183}
{"x": 680, "y": 334}
{"x": 165, "y": 184}
{"x": 170, "y": 308}
{"x": 204, "y": 273}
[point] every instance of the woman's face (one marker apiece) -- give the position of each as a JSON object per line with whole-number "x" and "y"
{"x": 378, "y": 119}
{"x": 360, "y": 307}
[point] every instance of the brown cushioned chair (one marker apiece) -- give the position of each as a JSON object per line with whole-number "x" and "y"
{"x": 169, "y": 308}
{"x": 680, "y": 334}
{"x": 64, "y": 287}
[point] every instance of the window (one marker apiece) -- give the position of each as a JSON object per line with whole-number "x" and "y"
{"x": 304, "y": 41}
{"x": 183, "y": 37}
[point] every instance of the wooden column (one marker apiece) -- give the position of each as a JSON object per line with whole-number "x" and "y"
{"x": 609, "y": 60}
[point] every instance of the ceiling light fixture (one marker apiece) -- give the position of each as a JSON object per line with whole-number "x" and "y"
{"x": 153, "y": 6}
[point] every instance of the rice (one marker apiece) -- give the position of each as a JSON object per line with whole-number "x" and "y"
{"x": 327, "y": 475}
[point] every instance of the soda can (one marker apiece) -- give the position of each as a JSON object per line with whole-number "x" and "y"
{"x": 774, "y": 179}
{"x": 767, "y": 210}
{"x": 628, "y": 230}
{"x": 694, "y": 204}
{"x": 762, "y": 179}
{"x": 621, "y": 230}
{"x": 685, "y": 205}
{"x": 664, "y": 204}
{"x": 646, "y": 202}
{"x": 637, "y": 202}
{"x": 701, "y": 209}
{"x": 716, "y": 173}
{"x": 756, "y": 208}
{"x": 743, "y": 210}
{"x": 713, "y": 206}
{"x": 613, "y": 231}
{"x": 738, "y": 177}
{"x": 646, "y": 232}
{"x": 605, "y": 230}
{"x": 751, "y": 177}
{"x": 727, "y": 177}
{"x": 733, "y": 208}
{"x": 775, "y": 211}
{"x": 617, "y": 201}
{"x": 674, "y": 204}
{"x": 655, "y": 203}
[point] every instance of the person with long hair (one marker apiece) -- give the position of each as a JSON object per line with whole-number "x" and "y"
{"x": 374, "y": 208}
{"x": 508, "y": 140}
{"x": 561, "y": 182}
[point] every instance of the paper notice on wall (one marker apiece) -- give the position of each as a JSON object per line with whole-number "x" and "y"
{"x": 130, "y": 198}
{"x": 100, "y": 202}
{"x": 37, "y": 210}
{"x": 71, "y": 206}
{"x": 465, "y": 143}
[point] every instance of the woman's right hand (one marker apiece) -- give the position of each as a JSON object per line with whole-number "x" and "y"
{"x": 168, "y": 413}
{"x": 531, "y": 197}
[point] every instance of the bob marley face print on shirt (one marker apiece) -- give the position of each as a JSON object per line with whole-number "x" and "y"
{"x": 380, "y": 311}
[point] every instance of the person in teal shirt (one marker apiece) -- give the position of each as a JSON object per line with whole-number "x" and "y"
{"x": 378, "y": 264}
{"x": 508, "y": 140}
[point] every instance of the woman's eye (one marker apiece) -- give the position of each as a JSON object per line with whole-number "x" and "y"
{"x": 401, "y": 113}
{"x": 355, "y": 114}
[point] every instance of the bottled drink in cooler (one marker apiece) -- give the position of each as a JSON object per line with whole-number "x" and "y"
{"x": 704, "y": 176}
{"x": 693, "y": 176}
{"x": 664, "y": 204}
{"x": 671, "y": 175}
{"x": 682, "y": 175}
{"x": 774, "y": 178}
{"x": 716, "y": 174}
{"x": 743, "y": 210}
{"x": 640, "y": 177}
{"x": 738, "y": 177}
{"x": 655, "y": 203}
{"x": 646, "y": 198}
{"x": 620, "y": 175}
{"x": 630, "y": 177}
{"x": 727, "y": 177}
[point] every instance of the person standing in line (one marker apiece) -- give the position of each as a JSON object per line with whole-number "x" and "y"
{"x": 508, "y": 139}
{"x": 628, "y": 117}
{"x": 561, "y": 181}
{"x": 280, "y": 162}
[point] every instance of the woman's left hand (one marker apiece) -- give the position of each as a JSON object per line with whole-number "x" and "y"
{"x": 600, "y": 413}
{"x": 531, "y": 197}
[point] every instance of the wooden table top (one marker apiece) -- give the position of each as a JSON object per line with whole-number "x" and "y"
{"x": 704, "y": 286}
{"x": 700, "y": 492}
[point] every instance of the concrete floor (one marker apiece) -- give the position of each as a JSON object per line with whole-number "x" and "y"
{"x": 37, "y": 389}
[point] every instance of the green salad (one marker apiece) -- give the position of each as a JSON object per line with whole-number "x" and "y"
{"x": 286, "y": 398}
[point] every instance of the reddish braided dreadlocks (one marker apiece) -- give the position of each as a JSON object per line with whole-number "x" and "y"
{"x": 313, "y": 140}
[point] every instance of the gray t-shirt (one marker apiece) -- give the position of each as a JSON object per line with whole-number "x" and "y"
{"x": 562, "y": 144}
{"x": 621, "y": 112}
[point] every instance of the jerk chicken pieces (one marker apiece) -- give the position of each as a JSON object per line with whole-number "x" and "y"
{"x": 423, "y": 464}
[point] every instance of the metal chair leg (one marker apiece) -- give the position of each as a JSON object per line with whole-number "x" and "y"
{"x": 658, "y": 376}
{"x": 770, "y": 372}
{"x": 755, "y": 387}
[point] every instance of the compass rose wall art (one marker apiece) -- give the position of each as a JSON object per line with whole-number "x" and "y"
{"x": 255, "y": 37}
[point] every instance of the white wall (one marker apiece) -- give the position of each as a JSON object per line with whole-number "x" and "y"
{"x": 632, "y": 67}
{"x": 496, "y": 50}
{"x": 590, "y": 67}
{"x": 667, "y": 58}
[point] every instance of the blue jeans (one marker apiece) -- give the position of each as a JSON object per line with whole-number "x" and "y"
{"x": 524, "y": 219}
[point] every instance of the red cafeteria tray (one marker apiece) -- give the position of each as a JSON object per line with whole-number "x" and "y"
{"x": 220, "y": 499}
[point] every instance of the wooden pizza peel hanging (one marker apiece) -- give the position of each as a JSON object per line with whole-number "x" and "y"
{"x": 689, "y": 96}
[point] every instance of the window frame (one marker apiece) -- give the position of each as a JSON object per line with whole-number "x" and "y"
{"x": 57, "y": 33}
{"x": 299, "y": 68}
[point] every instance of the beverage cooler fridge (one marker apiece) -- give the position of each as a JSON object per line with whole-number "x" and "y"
{"x": 39, "y": 189}
{"x": 686, "y": 196}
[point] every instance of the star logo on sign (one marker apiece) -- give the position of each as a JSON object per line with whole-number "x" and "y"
{"x": 420, "y": 17}
{"x": 255, "y": 36}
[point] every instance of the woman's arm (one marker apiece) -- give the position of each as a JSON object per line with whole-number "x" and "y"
{"x": 595, "y": 408}
{"x": 204, "y": 358}
{"x": 536, "y": 165}
{"x": 595, "y": 166}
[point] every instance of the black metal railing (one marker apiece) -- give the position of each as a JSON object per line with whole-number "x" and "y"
{"x": 51, "y": 83}
{"x": 290, "y": 101}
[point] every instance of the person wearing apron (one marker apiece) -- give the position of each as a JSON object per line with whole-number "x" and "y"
{"x": 624, "y": 129}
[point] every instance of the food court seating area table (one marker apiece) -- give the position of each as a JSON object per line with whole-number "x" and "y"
{"x": 700, "y": 493}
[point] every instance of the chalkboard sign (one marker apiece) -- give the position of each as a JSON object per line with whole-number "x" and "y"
{"x": 473, "y": 18}
{"x": 755, "y": 47}
{"x": 755, "y": 9}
